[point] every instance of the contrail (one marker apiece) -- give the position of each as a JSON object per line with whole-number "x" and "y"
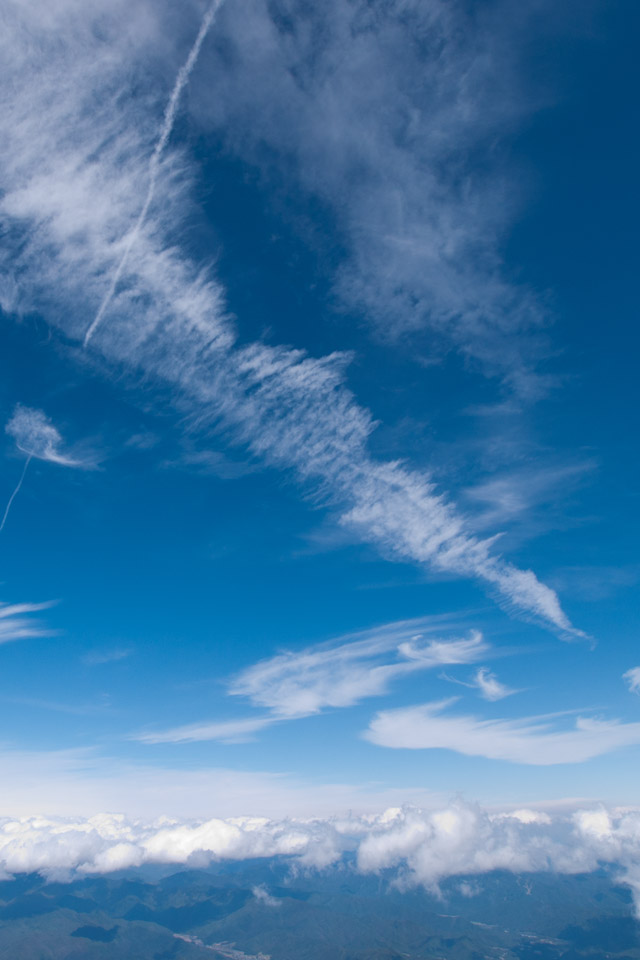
{"x": 165, "y": 133}
{"x": 15, "y": 492}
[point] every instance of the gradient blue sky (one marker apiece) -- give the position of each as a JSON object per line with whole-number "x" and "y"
{"x": 330, "y": 404}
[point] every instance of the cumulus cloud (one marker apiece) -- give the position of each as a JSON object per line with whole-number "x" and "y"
{"x": 74, "y": 157}
{"x": 539, "y": 741}
{"x": 16, "y": 624}
{"x": 340, "y": 673}
{"x": 422, "y": 846}
{"x": 632, "y": 679}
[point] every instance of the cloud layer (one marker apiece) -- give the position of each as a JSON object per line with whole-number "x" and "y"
{"x": 75, "y": 163}
{"x": 423, "y": 847}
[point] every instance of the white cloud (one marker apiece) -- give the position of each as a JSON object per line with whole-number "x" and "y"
{"x": 388, "y": 137}
{"x": 95, "y": 658}
{"x": 489, "y": 686}
{"x": 335, "y": 674}
{"x": 341, "y": 674}
{"x": 15, "y": 623}
{"x": 36, "y": 436}
{"x": 422, "y": 846}
{"x": 263, "y": 896}
{"x": 486, "y": 683}
{"x": 632, "y": 678}
{"x": 530, "y": 740}
{"x": 226, "y": 731}
{"x": 74, "y": 156}
{"x": 165, "y": 132}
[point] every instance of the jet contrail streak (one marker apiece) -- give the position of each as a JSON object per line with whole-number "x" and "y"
{"x": 15, "y": 492}
{"x": 165, "y": 133}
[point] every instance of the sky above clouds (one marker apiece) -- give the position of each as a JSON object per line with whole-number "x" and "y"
{"x": 320, "y": 403}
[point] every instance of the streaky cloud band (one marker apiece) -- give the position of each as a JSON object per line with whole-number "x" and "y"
{"x": 294, "y": 412}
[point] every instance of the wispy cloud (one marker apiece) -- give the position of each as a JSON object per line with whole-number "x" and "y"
{"x": 225, "y": 731}
{"x": 331, "y": 675}
{"x": 342, "y": 674}
{"x": 36, "y": 436}
{"x": 632, "y": 678}
{"x": 539, "y": 741}
{"x": 16, "y": 624}
{"x": 516, "y": 495}
{"x": 388, "y": 137}
{"x": 14, "y": 493}
{"x": 95, "y": 658}
{"x": 486, "y": 682}
{"x": 75, "y": 162}
{"x": 165, "y": 132}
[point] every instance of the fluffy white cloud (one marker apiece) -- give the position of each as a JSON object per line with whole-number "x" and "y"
{"x": 423, "y": 846}
{"x": 632, "y": 678}
{"x": 532, "y": 740}
{"x": 335, "y": 674}
{"x": 74, "y": 156}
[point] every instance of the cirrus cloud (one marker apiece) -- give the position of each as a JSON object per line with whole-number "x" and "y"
{"x": 530, "y": 740}
{"x": 74, "y": 157}
{"x": 336, "y": 674}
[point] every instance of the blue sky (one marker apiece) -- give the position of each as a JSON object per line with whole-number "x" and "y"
{"x": 320, "y": 404}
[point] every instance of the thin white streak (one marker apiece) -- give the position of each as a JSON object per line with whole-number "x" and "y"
{"x": 165, "y": 132}
{"x": 15, "y": 492}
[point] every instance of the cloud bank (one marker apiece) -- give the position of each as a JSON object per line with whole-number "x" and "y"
{"x": 422, "y": 847}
